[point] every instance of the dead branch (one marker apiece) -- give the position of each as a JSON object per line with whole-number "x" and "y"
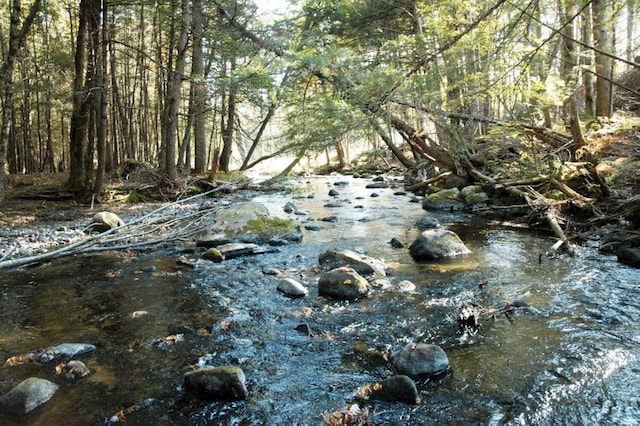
{"x": 154, "y": 228}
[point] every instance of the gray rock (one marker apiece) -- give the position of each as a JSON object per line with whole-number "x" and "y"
{"x": 29, "y": 394}
{"x": 57, "y": 352}
{"x": 398, "y": 388}
{"x": 443, "y": 200}
{"x": 377, "y": 185}
{"x": 333, "y": 193}
{"x": 292, "y": 288}
{"x": 105, "y": 221}
{"x": 289, "y": 207}
{"x": 73, "y": 370}
{"x": 233, "y": 250}
{"x": 212, "y": 240}
{"x": 224, "y": 383}
{"x": 420, "y": 360}
{"x": 427, "y": 222}
{"x": 435, "y": 244}
{"x": 365, "y": 265}
{"x": 343, "y": 283}
{"x": 405, "y": 286}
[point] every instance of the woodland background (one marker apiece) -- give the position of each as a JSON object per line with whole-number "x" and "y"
{"x": 192, "y": 87}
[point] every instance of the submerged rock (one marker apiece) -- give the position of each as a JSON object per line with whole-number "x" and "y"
{"x": 398, "y": 388}
{"x": 72, "y": 370}
{"x": 438, "y": 243}
{"x": 29, "y": 394}
{"x": 343, "y": 283}
{"x": 362, "y": 264}
{"x": 420, "y": 360}
{"x": 52, "y": 353}
{"x": 292, "y": 288}
{"x": 226, "y": 383}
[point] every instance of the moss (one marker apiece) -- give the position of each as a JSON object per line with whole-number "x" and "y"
{"x": 269, "y": 225}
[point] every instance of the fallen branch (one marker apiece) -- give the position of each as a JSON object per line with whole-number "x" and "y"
{"x": 150, "y": 229}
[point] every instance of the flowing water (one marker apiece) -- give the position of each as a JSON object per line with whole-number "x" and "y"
{"x": 569, "y": 357}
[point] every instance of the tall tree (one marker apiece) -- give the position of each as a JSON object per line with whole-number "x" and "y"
{"x": 175, "y": 76}
{"x": 17, "y": 36}
{"x": 603, "y": 28}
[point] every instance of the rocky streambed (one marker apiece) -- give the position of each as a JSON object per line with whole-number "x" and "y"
{"x": 336, "y": 319}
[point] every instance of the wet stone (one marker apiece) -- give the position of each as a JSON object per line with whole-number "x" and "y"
{"x": 29, "y": 394}
{"x": 398, "y": 388}
{"x": 438, "y": 243}
{"x": 292, "y": 288}
{"x": 335, "y": 258}
{"x": 420, "y": 360}
{"x": 219, "y": 383}
{"x": 343, "y": 283}
{"x": 105, "y": 221}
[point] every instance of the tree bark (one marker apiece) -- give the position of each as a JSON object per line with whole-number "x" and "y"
{"x": 199, "y": 98}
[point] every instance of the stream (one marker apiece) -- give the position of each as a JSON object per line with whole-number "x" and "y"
{"x": 570, "y": 356}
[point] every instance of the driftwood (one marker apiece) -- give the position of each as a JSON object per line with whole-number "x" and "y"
{"x": 162, "y": 225}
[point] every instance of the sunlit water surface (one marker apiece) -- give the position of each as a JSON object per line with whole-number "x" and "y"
{"x": 570, "y": 357}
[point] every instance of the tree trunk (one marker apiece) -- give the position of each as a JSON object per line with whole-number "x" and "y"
{"x": 80, "y": 114}
{"x": 17, "y": 36}
{"x": 172, "y": 102}
{"x": 198, "y": 82}
{"x": 602, "y": 29}
{"x": 229, "y": 128}
{"x": 101, "y": 81}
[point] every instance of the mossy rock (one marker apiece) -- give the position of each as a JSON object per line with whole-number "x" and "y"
{"x": 214, "y": 255}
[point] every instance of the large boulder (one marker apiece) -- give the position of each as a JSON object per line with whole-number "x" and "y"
{"x": 251, "y": 223}
{"x": 105, "y": 221}
{"x": 435, "y": 244}
{"x": 29, "y": 394}
{"x": 220, "y": 383}
{"x": 362, "y": 264}
{"x": 343, "y": 283}
{"x": 445, "y": 199}
{"x": 420, "y": 360}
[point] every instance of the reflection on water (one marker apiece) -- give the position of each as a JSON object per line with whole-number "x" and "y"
{"x": 570, "y": 357}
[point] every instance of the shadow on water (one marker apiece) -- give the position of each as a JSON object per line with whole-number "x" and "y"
{"x": 568, "y": 357}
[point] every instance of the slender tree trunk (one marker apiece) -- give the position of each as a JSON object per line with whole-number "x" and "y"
{"x": 80, "y": 114}
{"x": 174, "y": 91}
{"x": 102, "y": 104}
{"x": 199, "y": 90}
{"x": 602, "y": 28}
{"x": 229, "y": 128}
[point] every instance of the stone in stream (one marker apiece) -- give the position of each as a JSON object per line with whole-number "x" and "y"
{"x": 72, "y": 370}
{"x": 104, "y": 221}
{"x": 335, "y": 258}
{"x": 420, "y": 360}
{"x": 52, "y": 353}
{"x": 427, "y": 222}
{"x": 399, "y": 388}
{"x": 435, "y": 244}
{"x": 343, "y": 283}
{"x": 29, "y": 394}
{"x": 214, "y": 255}
{"x": 219, "y": 383}
{"x": 291, "y": 287}
{"x": 629, "y": 256}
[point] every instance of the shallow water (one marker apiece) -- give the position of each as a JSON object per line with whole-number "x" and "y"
{"x": 571, "y": 357}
